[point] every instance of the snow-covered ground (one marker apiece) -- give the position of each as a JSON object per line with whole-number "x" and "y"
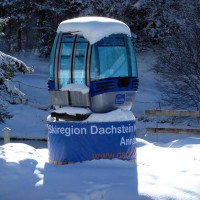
{"x": 163, "y": 170}
{"x": 169, "y": 171}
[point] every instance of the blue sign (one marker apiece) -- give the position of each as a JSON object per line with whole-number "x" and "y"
{"x": 80, "y": 141}
{"x": 120, "y": 98}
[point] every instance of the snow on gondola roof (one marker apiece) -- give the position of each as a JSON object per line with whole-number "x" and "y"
{"x": 94, "y": 28}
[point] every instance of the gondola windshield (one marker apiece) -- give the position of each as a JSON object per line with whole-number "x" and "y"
{"x": 113, "y": 57}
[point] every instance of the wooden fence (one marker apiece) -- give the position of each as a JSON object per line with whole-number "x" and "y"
{"x": 179, "y": 113}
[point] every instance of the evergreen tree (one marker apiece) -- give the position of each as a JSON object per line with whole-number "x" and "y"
{"x": 8, "y": 66}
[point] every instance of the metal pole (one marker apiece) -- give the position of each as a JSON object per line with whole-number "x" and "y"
{"x": 6, "y": 133}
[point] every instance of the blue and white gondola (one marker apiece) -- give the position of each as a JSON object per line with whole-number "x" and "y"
{"x": 106, "y": 66}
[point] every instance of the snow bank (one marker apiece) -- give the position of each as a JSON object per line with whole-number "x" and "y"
{"x": 160, "y": 173}
{"x": 93, "y": 28}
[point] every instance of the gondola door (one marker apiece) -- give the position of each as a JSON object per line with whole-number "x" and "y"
{"x": 80, "y": 61}
{"x": 65, "y": 60}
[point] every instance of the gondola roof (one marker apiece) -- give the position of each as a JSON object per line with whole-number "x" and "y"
{"x": 94, "y": 28}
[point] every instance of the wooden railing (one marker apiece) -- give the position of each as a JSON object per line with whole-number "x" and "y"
{"x": 179, "y": 113}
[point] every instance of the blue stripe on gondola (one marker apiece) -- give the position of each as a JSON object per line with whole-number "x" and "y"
{"x": 111, "y": 85}
{"x": 51, "y": 85}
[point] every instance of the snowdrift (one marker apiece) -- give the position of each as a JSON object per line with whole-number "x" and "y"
{"x": 169, "y": 171}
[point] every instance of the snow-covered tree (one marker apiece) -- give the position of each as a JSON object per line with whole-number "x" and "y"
{"x": 8, "y": 92}
{"x": 49, "y": 15}
{"x": 33, "y": 23}
{"x": 179, "y": 60}
{"x": 3, "y": 23}
{"x": 20, "y": 32}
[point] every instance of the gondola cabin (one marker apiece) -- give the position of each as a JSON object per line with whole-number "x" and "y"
{"x": 93, "y": 64}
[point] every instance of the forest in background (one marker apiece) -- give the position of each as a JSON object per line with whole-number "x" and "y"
{"x": 171, "y": 28}
{"x": 32, "y": 24}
